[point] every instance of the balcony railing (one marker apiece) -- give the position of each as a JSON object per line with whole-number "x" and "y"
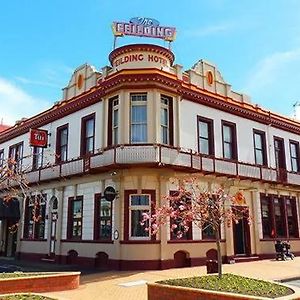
{"x": 161, "y": 156}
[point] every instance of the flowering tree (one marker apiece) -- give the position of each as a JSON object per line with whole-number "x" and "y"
{"x": 192, "y": 205}
{"x": 14, "y": 184}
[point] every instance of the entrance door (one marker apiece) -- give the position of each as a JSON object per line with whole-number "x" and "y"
{"x": 241, "y": 235}
{"x": 280, "y": 159}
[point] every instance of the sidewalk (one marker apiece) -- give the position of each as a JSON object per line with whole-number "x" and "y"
{"x": 106, "y": 286}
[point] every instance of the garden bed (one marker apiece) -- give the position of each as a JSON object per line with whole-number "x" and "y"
{"x": 20, "y": 282}
{"x": 211, "y": 287}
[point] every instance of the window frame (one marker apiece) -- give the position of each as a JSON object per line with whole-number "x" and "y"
{"x": 145, "y": 122}
{"x": 17, "y": 158}
{"x": 262, "y": 134}
{"x": 37, "y": 158}
{"x": 58, "y": 151}
{"x": 1, "y": 158}
{"x": 273, "y": 225}
{"x": 210, "y": 139}
{"x": 29, "y": 221}
{"x": 126, "y": 220}
{"x": 97, "y": 218}
{"x": 233, "y": 143}
{"x": 297, "y": 158}
{"x": 70, "y": 223}
{"x": 84, "y": 138}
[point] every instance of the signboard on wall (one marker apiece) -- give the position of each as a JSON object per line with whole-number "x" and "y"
{"x": 38, "y": 138}
{"x": 146, "y": 27}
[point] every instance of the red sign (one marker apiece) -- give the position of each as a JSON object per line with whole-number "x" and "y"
{"x": 38, "y": 138}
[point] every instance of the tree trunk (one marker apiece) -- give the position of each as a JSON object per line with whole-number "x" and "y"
{"x": 219, "y": 253}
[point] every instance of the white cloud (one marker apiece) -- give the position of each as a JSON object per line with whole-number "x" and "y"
{"x": 15, "y": 103}
{"x": 209, "y": 30}
{"x": 268, "y": 70}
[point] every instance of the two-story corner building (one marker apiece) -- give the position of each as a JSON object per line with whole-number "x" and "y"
{"x": 134, "y": 126}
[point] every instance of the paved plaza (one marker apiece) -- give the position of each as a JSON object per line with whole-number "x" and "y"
{"x": 132, "y": 285}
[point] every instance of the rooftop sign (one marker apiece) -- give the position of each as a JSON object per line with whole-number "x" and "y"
{"x": 146, "y": 27}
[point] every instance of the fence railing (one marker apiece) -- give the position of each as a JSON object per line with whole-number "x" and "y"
{"x": 162, "y": 156}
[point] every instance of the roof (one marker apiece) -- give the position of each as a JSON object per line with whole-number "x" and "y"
{"x": 3, "y": 127}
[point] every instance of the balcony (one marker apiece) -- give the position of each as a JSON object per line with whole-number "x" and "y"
{"x": 161, "y": 156}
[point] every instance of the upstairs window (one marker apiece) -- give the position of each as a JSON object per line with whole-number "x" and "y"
{"x": 16, "y": 155}
{"x": 294, "y": 153}
{"x": 138, "y": 118}
{"x": 229, "y": 140}
{"x": 113, "y": 121}
{"x": 205, "y": 136}
{"x": 37, "y": 159}
{"x": 260, "y": 147}
{"x": 1, "y": 158}
{"x": 87, "y": 134}
{"x": 62, "y": 143}
{"x": 166, "y": 120}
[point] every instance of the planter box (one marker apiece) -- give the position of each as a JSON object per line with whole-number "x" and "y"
{"x": 50, "y": 282}
{"x": 167, "y": 292}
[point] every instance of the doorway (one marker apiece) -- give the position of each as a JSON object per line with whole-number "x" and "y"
{"x": 241, "y": 236}
{"x": 280, "y": 159}
{"x": 10, "y": 242}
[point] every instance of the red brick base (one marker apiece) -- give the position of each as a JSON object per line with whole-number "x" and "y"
{"x": 51, "y": 283}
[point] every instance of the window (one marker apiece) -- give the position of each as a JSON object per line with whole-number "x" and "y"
{"x": 138, "y": 204}
{"x": 208, "y": 232}
{"x": 179, "y": 227}
{"x": 166, "y": 120}
{"x": 35, "y": 215}
{"x": 37, "y": 159}
{"x": 260, "y": 152}
{"x": 1, "y": 158}
{"x": 205, "y": 136}
{"x": 87, "y": 134}
{"x": 294, "y": 152}
{"x": 103, "y": 219}
{"x": 16, "y": 154}
{"x": 279, "y": 217}
{"x": 62, "y": 143}
{"x": 113, "y": 121}
{"x": 75, "y": 217}
{"x": 138, "y": 118}
{"x": 229, "y": 140}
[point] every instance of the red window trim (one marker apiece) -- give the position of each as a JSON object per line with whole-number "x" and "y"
{"x": 296, "y": 143}
{"x": 211, "y": 142}
{"x": 234, "y": 139}
{"x": 58, "y": 146}
{"x": 277, "y": 138}
{"x": 84, "y": 120}
{"x": 264, "y": 146}
{"x": 97, "y": 218}
{"x": 1, "y": 159}
{"x": 70, "y": 218}
{"x": 110, "y": 120}
{"x": 171, "y": 118}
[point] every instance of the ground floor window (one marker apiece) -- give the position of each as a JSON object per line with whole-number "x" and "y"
{"x": 75, "y": 217}
{"x": 35, "y": 215}
{"x": 208, "y": 233}
{"x": 103, "y": 218}
{"x": 135, "y": 204}
{"x": 279, "y": 216}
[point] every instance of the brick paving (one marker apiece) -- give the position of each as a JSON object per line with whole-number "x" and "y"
{"x": 105, "y": 286}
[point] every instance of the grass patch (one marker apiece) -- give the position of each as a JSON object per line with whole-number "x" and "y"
{"x": 25, "y": 297}
{"x": 233, "y": 284}
{"x": 21, "y": 274}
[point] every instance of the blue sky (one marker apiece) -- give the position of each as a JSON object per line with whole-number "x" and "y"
{"x": 255, "y": 44}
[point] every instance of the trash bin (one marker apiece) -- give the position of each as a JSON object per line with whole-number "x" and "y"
{"x": 212, "y": 266}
